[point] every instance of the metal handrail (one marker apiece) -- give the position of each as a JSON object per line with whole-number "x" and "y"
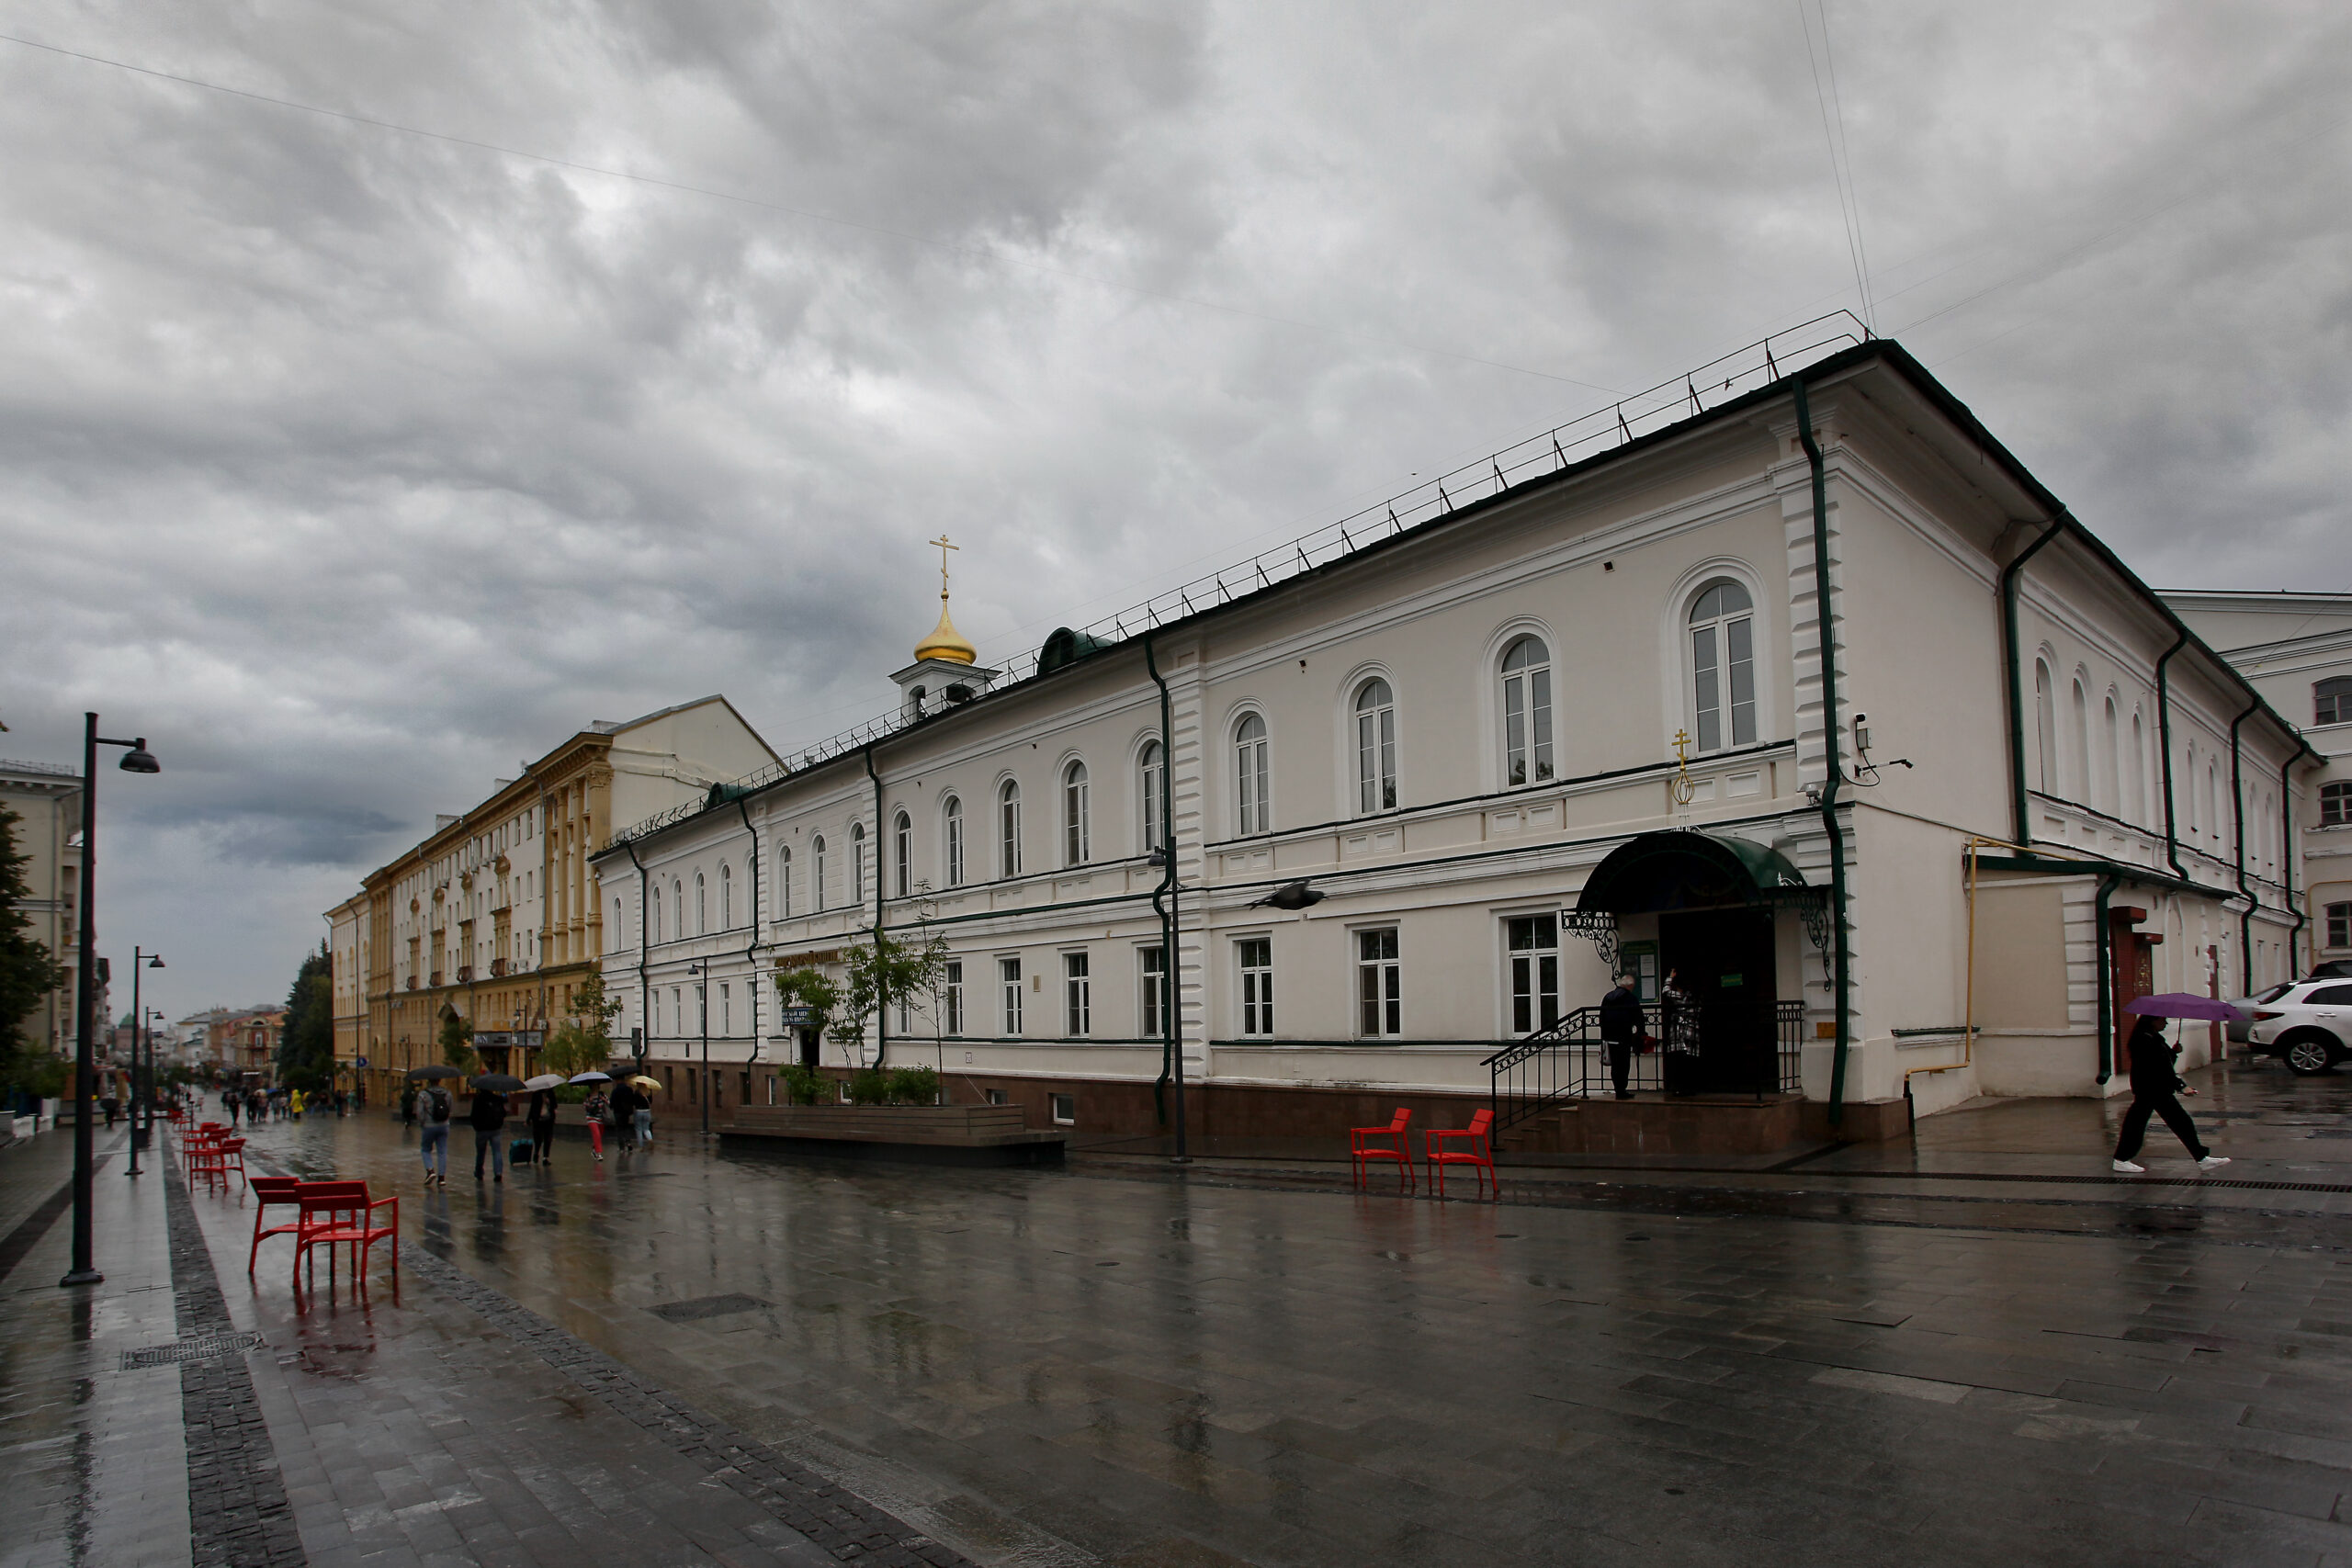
{"x": 1565, "y": 1062}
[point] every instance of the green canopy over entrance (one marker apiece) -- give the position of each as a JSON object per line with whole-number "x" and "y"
{"x": 1660, "y": 872}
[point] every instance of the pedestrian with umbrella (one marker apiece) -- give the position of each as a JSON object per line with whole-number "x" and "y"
{"x": 641, "y": 1108}
{"x": 434, "y": 1104}
{"x": 488, "y": 1118}
{"x": 539, "y": 1119}
{"x": 2156, "y": 1082}
{"x": 598, "y": 1112}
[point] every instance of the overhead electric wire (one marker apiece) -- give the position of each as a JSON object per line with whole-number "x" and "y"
{"x": 658, "y": 182}
{"x": 1841, "y": 164}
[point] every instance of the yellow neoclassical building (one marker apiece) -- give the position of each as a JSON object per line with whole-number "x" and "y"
{"x": 492, "y": 916}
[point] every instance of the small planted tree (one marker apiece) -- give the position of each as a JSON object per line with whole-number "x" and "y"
{"x": 458, "y": 1042}
{"x": 583, "y": 1042}
{"x": 802, "y": 1084}
{"x": 888, "y": 973}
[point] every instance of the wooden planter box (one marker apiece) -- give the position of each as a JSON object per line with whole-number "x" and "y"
{"x": 928, "y": 1135}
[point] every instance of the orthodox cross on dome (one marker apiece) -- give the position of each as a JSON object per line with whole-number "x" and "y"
{"x": 944, "y": 547}
{"x": 944, "y": 641}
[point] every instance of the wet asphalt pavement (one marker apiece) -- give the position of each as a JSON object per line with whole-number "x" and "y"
{"x": 1969, "y": 1347}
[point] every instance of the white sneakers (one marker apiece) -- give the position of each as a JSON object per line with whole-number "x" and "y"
{"x": 2209, "y": 1161}
{"x": 2127, "y": 1165}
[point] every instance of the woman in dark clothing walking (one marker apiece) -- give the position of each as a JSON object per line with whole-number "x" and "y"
{"x": 488, "y": 1116}
{"x": 2155, "y": 1084}
{"x": 541, "y": 1123}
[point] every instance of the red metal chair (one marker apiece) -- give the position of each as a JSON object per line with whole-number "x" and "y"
{"x": 204, "y": 1158}
{"x": 1363, "y": 1145}
{"x": 1477, "y": 1151}
{"x": 233, "y": 1155}
{"x": 270, "y": 1191}
{"x": 333, "y": 1213}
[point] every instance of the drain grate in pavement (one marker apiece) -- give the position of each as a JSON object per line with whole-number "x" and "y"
{"x": 206, "y": 1349}
{"x": 707, "y": 1307}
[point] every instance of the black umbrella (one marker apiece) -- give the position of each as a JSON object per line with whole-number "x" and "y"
{"x": 499, "y": 1083}
{"x": 435, "y": 1071}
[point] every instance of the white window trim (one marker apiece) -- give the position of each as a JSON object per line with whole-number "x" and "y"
{"x": 1679, "y": 688}
{"x": 1230, "y": 762}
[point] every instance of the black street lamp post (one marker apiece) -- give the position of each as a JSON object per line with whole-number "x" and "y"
{"x": 702, "y": 1006}
{"x": 137, "y": 760}
{"x": 140, "y": 1132}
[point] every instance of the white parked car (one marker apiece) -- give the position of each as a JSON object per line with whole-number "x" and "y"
{"x": 2307, "y": 1025}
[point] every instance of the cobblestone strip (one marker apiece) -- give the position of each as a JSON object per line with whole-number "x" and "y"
{"x": 837, "y": 1521}
{"x": 239, "y": 1515}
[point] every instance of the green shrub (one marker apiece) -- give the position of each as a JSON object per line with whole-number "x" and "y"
{"x": 914, "y": 1086}
{"x": 802, "y": 1084}
{"x": 870, "y": 1087}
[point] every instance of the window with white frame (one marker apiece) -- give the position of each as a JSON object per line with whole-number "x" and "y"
{"x": 1380, "y": 986}
{"x": 726, "y": 1007}
{"x": 1078, "y": 994}
{"x": 1723, "y": 666}
{"x": 1008, "y": 828}
{"x": 856, "y": 863}
{"x": 613, "y": 937}
{"x": 1255, "y": 957}
{"x": 1527, "y": 712}
{"x": 1533, "y": 945}
{"x": 726, "y": 897}
{"x": 951, "y": 996}
{"x": 1251, "y": 776}
{"x": 817, "y": 874}
{"x": 2045, "y": 726}
{"x": 1065, "y": 1109}
{"x": 2082, "y": 714}
{"x": 1078, "y": 812}
{"x": 2336, "y": 805}
{"x": 677, "y": 1011}
{"x": 1375, "y": 748}
{"x": 1151, "y": 770}
{"x": 783, "y": 883}
{"x": 702, "y": 907}
{"x": 2339, "y": 925}
{"x": 952, "y": 839}
{"x": 902, "y": 854}
{"x": 1007, "y": 980}
{"x": 2110, "y": 772}
{"x": 2332, "y": 700}
{"x": 653, "y": 924}
{"x": 1151, "y": 991}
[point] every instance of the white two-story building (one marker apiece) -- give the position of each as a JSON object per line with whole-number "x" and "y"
{"x": 1573, "y": 711}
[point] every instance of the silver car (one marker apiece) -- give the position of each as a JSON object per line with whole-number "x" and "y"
{"x": 2307, "y": 1025}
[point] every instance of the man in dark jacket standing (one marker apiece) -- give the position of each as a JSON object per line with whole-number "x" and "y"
{"x": 1621, "y": 1023}
{"x": 488, "y": 1116}
{"x": 2155, "y": 1084}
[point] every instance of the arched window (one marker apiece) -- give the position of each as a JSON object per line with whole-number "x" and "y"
{"x": 2111, "y": 774}
{"x": 653, "y": 926}
{"x": 1375, "y": 748}
{"x": 2139, "y": 771}
{"x": 613, "y": 944}
{"x": 902, "y": 852}
{"x": 1527, "y": 712}
{"x": 1255, "y": 811}
{"x": 783, "y": 883}
{"x": 702, "y": 907}
{"x": 726, "y": 897}
{"x": 2045, "y": 726}
{"x": 1008, "y": 828}
{"x": 857, "y": 863}
{"x": 953, "y": 811}
{"x": 1078, "y": 830}
{"x": 817, "y": 874}
{"x": 2083, "y": 739}
{"x": 1723, "y": 667}
{"x": 1151, "y": 771}
{"x": 678, "y": 902}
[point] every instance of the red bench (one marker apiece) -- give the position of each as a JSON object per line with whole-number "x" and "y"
{"x": 337, "y": 1214}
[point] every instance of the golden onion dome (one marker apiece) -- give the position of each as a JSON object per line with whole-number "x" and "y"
{"x": 946, "y": 642}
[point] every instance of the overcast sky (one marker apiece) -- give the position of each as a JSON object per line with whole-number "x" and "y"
{"x": 351, "y": 465}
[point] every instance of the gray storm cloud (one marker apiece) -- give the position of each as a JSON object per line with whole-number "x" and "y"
{"x": 352, "y": 465}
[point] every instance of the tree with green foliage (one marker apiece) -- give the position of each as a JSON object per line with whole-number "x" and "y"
{"x": 456, "y": 1040}
{"x": 583, "y": 1042}
{"x": 306, "y": 1049}
{"x": 29, "y": 972}
{"x": 885, "y": 973}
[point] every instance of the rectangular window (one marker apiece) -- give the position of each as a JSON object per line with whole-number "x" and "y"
{"x": 2335, "y": 803}
{"x": 1152, "y": 990}
{"x": 1534, "y": 947}
{"x": 1738, "y": 637}
{"x": 2332, "y": 700}
{"x": 726, "y": 1008}
{"x": 996, "y": 1097}
{"x": 1257, "y": 959}
{"x": 2339, "y": 925}
{"x": 1008, "y": 974}
{"x": 1078, "y": 994}
{"x": 1380, "y": 993}
{"x": 1064, "y": 1109}
{"x": 1708, "y": 693}
{"x": 951, "y": 996}
{"x": 677, "y": 1011}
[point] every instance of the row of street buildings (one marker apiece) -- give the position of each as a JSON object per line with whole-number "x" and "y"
{"x": 1810, "y": 696}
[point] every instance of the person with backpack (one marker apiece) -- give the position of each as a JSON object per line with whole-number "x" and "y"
{"x": 433, "y": 1104}
{"x": 489, "y": 1117}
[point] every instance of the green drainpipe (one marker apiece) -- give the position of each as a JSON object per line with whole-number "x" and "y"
{"x": 2021, "y": 807}
{"x": 2107, "y": 886}
{"x": 882, "y": 1011}
{"x": 2237, "y": 836}
{"x": 1842, "y": 960}
{"x": 2164, "y": 739}
{"x": 1159, "y": 895}
{"x": 2287, "y": 852}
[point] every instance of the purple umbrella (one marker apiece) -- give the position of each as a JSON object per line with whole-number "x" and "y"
{"x": 2186, "y": 1004}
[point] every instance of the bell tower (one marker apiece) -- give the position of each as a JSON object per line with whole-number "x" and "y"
{"x": 946, "y": 671}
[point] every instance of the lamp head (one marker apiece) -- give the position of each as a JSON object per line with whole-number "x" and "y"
{"x": 138, "y": 760}
{"x": 154, "y": 962}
